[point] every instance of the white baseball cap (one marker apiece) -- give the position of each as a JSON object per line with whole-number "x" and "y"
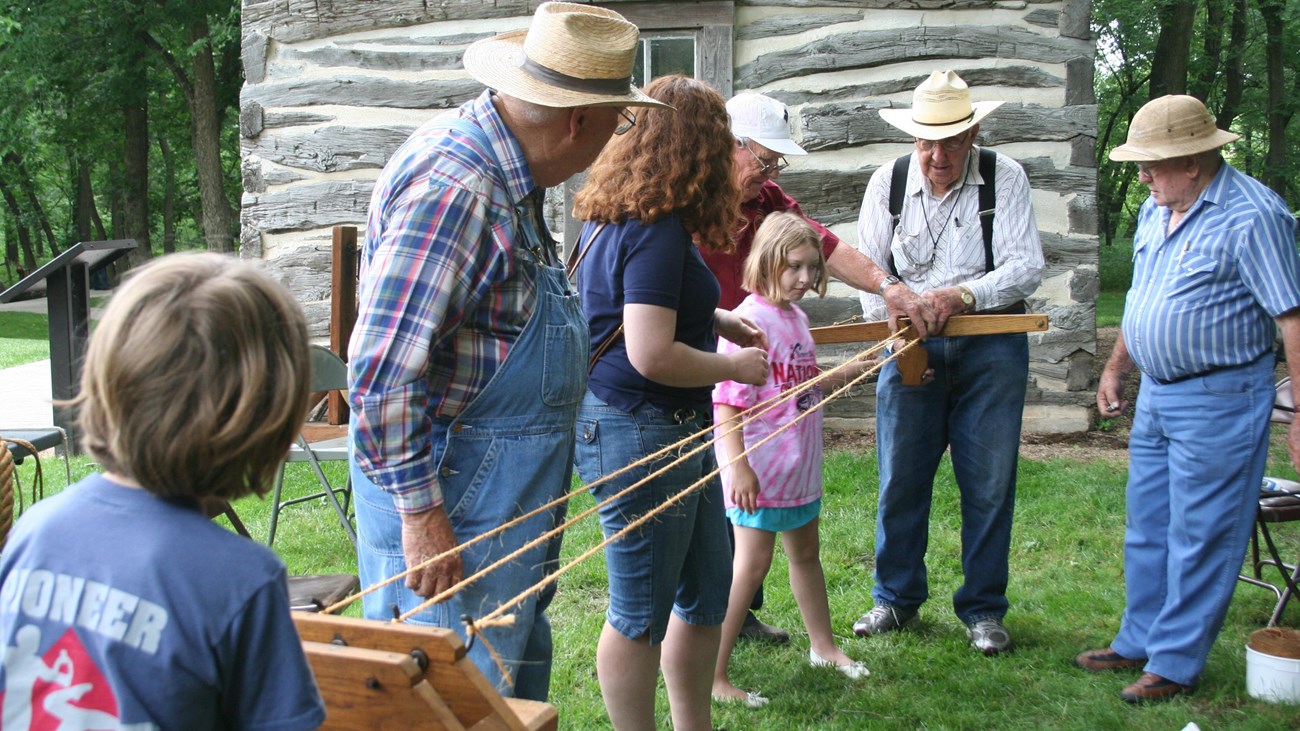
{"x": 763, "y": 120}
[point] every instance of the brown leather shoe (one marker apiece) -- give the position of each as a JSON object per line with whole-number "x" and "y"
{"x": 1151, "y": 688}
{"x": 1107, "y": 659}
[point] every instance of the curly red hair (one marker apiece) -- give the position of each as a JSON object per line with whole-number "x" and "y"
{"x": 670, "y": 162}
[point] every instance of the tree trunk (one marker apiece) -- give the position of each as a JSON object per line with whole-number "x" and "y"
{"x": 24, "y": 236}
{"x": 169, "y": 196}
{"x": 29, "y": 190}
{"x": 1173, "y": 48}
{"x": 135, "y": 180}
{"x": 1234, "y": 80}
{"x": 218, "y": 215}
{"x": 83, "y": 206}
{"x": 1274, "y": 48}
{"x": 1213, "y": 32}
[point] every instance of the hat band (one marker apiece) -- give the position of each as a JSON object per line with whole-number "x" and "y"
{"x": 966, "y": 118}
{"x": 572, "y": 83}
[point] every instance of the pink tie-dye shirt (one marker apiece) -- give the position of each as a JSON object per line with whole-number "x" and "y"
{"x": 789, "y": 467}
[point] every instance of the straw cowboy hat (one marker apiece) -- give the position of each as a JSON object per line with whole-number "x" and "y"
{"x": 941, "y": 108}
{"x": 1168, "y": 127}
{"x": 571, "y": 56}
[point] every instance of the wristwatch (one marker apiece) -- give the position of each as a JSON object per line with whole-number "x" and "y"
{"x": 891, "y": 279}
{"x": 967, "y": 297}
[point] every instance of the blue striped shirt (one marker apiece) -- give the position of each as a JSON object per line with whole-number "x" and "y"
{"x": 1204, "y": 297}
{"x": 442, "y": 295}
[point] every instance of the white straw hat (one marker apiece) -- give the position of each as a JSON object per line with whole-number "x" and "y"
{"x": 571, "y": 56}
{"x": 941, "y": 108}
{"x": 1168, "y": 127}
{"x": 763, "y": 120}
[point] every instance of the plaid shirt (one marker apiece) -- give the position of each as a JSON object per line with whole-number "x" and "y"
{"x": 442, "y": 296}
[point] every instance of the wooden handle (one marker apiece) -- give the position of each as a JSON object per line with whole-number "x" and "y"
{"x": 956, "y": 326}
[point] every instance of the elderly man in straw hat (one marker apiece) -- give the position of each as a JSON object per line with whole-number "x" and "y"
{"x": 468, "y": 359}
{"x": 1214, "y": 267}
{"x": 934, "y": 234}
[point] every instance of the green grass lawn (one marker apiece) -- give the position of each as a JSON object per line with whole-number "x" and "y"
{"x": 1115, "y": 267}
{"x": 24, "y": 338}
{"x": 1066, "y": 596}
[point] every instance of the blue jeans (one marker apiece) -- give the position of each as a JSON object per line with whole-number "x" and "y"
{"x": 678, "y": 562}
{"x": 974, "y": 405}
{"x": 1197, "y": 453}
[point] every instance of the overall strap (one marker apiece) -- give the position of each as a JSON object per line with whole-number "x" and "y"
{"x": 897, "y": 189}
{"x": 988, "y": 202}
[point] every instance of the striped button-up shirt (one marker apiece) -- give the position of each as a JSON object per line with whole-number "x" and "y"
{"x": 442, "y": 296}
{"x": 939, "y": 241}
{"x": 1204, "y": 297}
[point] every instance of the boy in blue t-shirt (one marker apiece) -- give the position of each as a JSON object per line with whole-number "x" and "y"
{"x": 121, "y": 604}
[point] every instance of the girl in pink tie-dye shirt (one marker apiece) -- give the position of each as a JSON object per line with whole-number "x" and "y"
{"x": 777, "y": 488}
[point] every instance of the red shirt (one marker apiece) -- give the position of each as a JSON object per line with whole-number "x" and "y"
{"x": 729, "y": 268}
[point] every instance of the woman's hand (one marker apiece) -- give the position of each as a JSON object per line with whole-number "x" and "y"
{"x": 740, "y": 330}
{"x": 749, "y": 365}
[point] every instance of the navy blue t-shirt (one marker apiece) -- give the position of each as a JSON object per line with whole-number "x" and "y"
{"x": 646, "y": 264}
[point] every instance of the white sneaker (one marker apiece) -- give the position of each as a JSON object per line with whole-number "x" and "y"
{"x": 989, "y": 636}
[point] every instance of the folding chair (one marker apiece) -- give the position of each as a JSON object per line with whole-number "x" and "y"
{"x": 319, "y": 443}
{"x": 310, "y": 593}
{"x": 1279, "y": 502}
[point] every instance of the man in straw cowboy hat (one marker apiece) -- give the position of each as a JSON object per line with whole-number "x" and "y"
{"x": 468, "y": 358}
{"x": 941, "y": 243}
{"x": 1214, "y": 267}
{"x": 761, "y": 126}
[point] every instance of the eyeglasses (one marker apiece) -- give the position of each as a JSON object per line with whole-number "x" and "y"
{"x": 765, "y": 168}
{"x": 952, "y": 144}
{"x": 1147, "y": 168}
{"x": 629, "y": 121}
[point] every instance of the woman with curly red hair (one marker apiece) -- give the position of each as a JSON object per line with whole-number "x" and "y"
{"x": 653, "y": 196}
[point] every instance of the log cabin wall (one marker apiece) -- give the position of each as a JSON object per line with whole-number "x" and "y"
{"x": 334, "y": 86}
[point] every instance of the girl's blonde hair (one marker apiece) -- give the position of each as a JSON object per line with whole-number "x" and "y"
{"x": 195, "y": 381}
{"x": 780, "y": 234}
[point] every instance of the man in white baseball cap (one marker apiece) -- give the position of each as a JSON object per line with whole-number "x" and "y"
{"x": 761, "y": 126}
{"x": 462, "y": 306}
{"x": 955, "y": 223}
{"x": 1215, "y": 275}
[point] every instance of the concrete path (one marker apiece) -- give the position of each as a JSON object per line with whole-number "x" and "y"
{"x": 25, "y": 389}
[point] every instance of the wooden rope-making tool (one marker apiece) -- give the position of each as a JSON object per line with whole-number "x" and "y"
{"x": 390, "y": 675}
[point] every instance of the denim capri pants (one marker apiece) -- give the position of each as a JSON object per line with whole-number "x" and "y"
{"x": 680, "y": 560}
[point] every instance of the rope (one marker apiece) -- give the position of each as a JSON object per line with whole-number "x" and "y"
{"x": 747, "y": 416}
{"x": 704, "y": 480}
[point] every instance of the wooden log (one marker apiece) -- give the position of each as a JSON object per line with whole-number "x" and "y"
{"x": 1043, "y": 17}
{"x": 371, "y": 59}
{"x": 332, "y": 149}
{"x": 852, "y": 124}
{"x": 307, "y": 206}
{"x": 362, "y": 91}
{"x": 252, "y": 51}
{"x": 894, "y": 4}
{"x": 785, "y": 25}
{"x": 300, "y": 20}
{"x": 1017, "y": 76}
{"x": 1076, "y": 19}
{"x": 870, "y": 49}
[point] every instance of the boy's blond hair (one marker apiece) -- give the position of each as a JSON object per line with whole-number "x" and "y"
{"x": 195, "y": 382}
{"x": 780, "y": 234}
